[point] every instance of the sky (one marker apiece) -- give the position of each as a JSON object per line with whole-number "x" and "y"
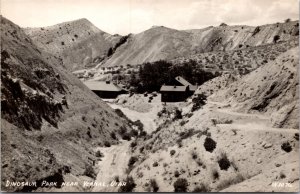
{"x": 134, "y": 16}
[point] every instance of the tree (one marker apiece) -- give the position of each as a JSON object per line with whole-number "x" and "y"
{"x": 287, "y": 20}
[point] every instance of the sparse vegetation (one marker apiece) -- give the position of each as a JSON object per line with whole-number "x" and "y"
{"x": 107, "y": 144}
{"x": 99, "y": 154}
{"x": 202, "y": 188}
{"x": 209, "y": 144}
{"x": 154, "y": 185}
{"x": 132, "y": 161}
{"x": 130, "y": 185}
{"x": 230, "y": 181}
{"x": 89, "y": 171}
{"x": 180, "y": 185}
{"x": 215, "y": 174}
{"x": 286, "y": 146}
{"x": 172, "y": 152}
{"x": 223, "y": 161}
{"x": 199, "y": 101}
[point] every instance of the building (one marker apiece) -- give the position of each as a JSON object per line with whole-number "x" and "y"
{"x": 178, "y": 92}
{"x": 105, "y": 89}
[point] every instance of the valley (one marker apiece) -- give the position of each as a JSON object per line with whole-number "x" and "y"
{"x": 234, "y": 129}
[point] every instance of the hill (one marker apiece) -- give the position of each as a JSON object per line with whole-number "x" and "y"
{"x": 50, "y": 120}
{"x": 78, "y": 43}
{"x": 162, "y": 43}
{"x": 272, "y": 89}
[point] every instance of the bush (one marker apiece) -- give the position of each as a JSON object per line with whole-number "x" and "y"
{"x": 139, "y": 125}
{"x": 89, "y": 171}
{"x": 223, "y": 162}
{"x": 286, "y": 147}
{"x": 201, "y": 189}
{"x": 120, "y": 113}
{"x": 276, "y": 38}
{"x": 153, "y": 185}
{"x": 126, "y": 136}
{"x": 132, "y": 161}
{"x": 215, "y": 174}
{"x": 133, "y": 144}
{"x": 99, "y": 154}
{"x": 106, "y": 144}
{"x": 198, "y": 101}
{"x": 130, "y": 185}
{"x": 113, "y": 135}
{"x": 180, "y": 185}
{"x": 172, "y": 152}
{"x": 155, "y": 164}
{"x": 178, "y": 114}
{"x": 209, "y": 144}
{"x": 176, "y": 174}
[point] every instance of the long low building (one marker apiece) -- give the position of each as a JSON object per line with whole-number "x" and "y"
{"x": 105, "y": 89}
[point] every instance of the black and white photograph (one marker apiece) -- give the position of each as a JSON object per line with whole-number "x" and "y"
{"x": 148, "y": 96}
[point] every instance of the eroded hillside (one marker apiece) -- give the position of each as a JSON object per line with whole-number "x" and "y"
{"x": 272, "y": 88}
{"x": 50, "y": 120}
{"x": 79, "y": 43}
{"x": 161, "y": 43}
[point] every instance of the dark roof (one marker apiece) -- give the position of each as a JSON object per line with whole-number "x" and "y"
{"x": 102, "y": 86}
{"x": 182, "y": 81}
{"x": 165, "y": 88}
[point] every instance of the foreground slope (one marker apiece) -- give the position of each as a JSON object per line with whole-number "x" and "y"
{"x": 79, "y": 43}
{"x": 50, "y": 120}
{"x": 272, "y": 89}
{"x": 160, "y": 42}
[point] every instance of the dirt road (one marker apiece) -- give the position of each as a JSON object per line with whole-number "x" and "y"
{"x": 114, "y": 163}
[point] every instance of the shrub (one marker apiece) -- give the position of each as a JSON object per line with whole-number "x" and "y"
{"x": 180, "y": 185}
{"x": 126, "y": 136}
{"x": 223, "y": 162}
{"x": 120, "y": 113}
{"x": 194, "y": 155}
{"x": 178, "y": 114}
{"x": 199, "y": 101}
{"x": 89, "y": 171}
{"x": 155, "y": 164}
{"x": 106, "y": 144}
{"x": 130, "y": 185}
{"x": 256, "y": 30}
{"x": 139, "y": 125}
{"x": 133, "y": 144}
{"x": 176, "y": 174}
{"x": 132, "y": 161}
{"x": 276, "y": 38}
{"x": 99, "y": 154}
{"x": 201, "y": 189}
{"x": 286, "y": 147}
{"x": 172, "y": 152}
{"x": 153, "y": 185}
{"x": 209, "y": 144}
{"x": 215, "y": 174}
{"x": 113, "y": 135}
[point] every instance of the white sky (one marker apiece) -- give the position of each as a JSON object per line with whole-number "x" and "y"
{"x": 133, "y": 16}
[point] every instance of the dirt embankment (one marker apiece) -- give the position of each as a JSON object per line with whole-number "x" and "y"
{"x": 50, "y": 120}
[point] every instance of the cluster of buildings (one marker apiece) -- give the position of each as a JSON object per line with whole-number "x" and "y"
{"x": 178, "y": 92}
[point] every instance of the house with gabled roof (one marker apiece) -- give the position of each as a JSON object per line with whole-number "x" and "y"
{"x": 178, "y": 92}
